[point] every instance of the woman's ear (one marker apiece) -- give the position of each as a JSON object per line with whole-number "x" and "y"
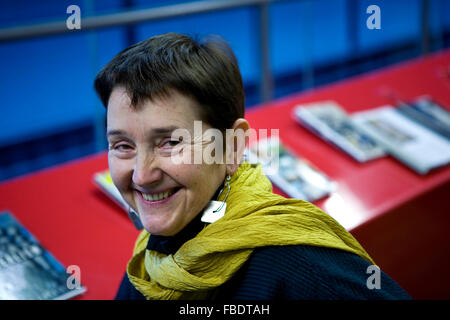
{"x": 236, "y": 140}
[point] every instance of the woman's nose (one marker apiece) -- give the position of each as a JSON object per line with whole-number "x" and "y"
{"x": 146, "y": 170}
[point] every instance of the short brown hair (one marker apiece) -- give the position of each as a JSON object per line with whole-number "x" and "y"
{"x": 206, "y": 71}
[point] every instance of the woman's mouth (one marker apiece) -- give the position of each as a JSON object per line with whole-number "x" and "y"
{"x": 158, "y": 197}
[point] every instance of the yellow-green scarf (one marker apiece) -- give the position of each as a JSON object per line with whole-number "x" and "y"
{"x": 254, "y": 217}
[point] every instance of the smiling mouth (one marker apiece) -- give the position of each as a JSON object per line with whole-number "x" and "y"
{"x": 154, "y": 197}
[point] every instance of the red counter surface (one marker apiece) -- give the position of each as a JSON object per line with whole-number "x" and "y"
{"x": 400, "y": 217}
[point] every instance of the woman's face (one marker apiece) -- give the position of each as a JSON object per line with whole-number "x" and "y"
{"x": 166, "y": 195}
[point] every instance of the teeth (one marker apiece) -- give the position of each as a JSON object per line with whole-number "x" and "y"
{"x": 156, "y": 196}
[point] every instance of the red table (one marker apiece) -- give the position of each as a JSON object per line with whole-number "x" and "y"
{"x": 401, "y": 218}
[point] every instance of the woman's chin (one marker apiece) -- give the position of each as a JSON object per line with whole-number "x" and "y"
{"x": 155, "y": 227}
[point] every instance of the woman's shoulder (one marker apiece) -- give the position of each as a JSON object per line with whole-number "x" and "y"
{"x": 308, "y": 272}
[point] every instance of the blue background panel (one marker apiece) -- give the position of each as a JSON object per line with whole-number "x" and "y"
{"x": 47, "y": 83}
{"x": 400, "y": 22}
{"x": 307, "y": 32}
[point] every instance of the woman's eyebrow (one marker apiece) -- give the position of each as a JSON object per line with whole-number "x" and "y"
{"x": 151, "y": 132}
{"x": 162, "y": 130}
{"x": 110, "y": 133}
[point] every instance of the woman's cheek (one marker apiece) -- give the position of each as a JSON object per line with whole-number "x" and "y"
{"x": 120, "y": 172}
{"x": 181, "y": 155}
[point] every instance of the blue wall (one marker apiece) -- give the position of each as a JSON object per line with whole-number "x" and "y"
{"x": 46, "y": 83}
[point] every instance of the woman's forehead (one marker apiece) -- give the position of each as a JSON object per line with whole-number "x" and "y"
{"x": 171, "y": 99}
{"x": 172, "y": 110}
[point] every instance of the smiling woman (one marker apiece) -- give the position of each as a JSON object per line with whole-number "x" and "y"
{"x": 264, "y": 246}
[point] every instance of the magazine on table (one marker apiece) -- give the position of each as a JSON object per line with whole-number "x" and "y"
{"x": 295, "y": 175}
{"x": 328, "y": 120}
{"x": 103, "y": 180}
{"x": 428, "y": 113}
{"x": 407, "y": 140}
{"x": 28, "y": 271}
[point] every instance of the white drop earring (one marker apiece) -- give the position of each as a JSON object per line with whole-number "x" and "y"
{"x": 216, "y": 209}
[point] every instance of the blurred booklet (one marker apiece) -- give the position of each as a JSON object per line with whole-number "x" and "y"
{"x": 27, "y": 270}
{"x": 429, "y": 114}
{"x": 328, "y": 120}
{"x": 104, "y": 181}
{"x": 405, "y": 139}
{"x": 296, "y": 176}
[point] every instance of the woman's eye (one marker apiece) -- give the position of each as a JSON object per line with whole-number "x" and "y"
{"x": 170, "y": 143}
{"x": 122, "y": 147}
